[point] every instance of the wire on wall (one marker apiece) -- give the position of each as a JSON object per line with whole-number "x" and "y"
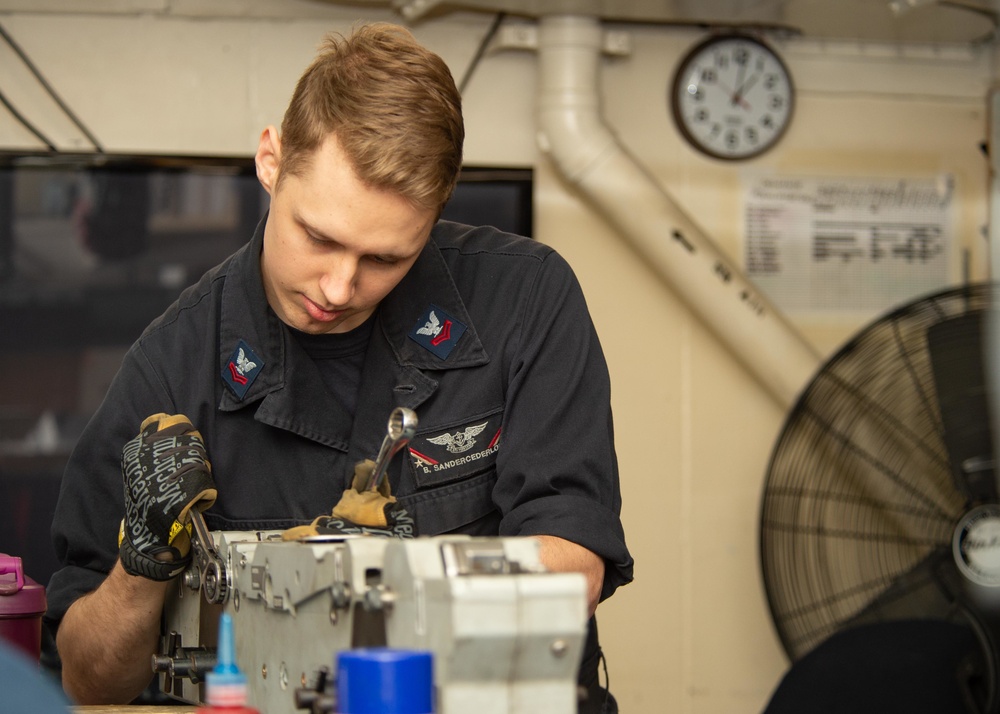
{"x": 480, "y": 51}
{"x": 52, "y": 93}
{"x": 25, "y": 123}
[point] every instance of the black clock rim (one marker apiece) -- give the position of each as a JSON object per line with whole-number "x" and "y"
{"x": 681, "y": 71}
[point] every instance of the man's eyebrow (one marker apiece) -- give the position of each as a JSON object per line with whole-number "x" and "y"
{"x": 310, "y": 228}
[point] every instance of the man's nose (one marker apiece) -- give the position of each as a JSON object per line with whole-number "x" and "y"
{"x": 339, "y": 280}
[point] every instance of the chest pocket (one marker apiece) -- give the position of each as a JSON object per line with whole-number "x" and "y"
{"x": 457, "y": 453}
{"x": 453, "y": 471}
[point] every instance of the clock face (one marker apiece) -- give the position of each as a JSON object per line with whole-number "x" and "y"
{"x": 732, "y": 97}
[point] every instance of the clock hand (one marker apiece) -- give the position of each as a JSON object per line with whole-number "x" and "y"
{"x": 735, "y": 98}
{"x": 744, "y": 88}
{"x": 739, "y": 79}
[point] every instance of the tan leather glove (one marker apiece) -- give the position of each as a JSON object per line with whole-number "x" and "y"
{"x": 365, "y": 508}
{"x": 360, "y": 512}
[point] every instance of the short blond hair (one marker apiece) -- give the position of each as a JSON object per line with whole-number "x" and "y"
{"x": 393, "y": 106}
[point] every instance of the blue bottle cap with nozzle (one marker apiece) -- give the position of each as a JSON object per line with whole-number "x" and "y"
{"x": 226, "y": 684}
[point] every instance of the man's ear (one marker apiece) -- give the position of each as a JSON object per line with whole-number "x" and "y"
{"x": 268, "y": 158}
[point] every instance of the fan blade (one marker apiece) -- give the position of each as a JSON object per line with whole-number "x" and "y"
{"x": 931, "y": 589}
{"x": 956, "y": 352}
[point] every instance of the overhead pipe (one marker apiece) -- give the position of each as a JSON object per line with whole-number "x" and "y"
{"x": 587, "y": 154}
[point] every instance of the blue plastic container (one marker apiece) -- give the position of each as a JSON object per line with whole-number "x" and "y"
{"x": 381, "y": 680}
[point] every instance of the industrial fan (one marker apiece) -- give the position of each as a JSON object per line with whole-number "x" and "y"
{"x": 880, "y": 500}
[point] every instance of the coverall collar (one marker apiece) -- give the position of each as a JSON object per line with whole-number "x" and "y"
{"x": 392, "y": 375}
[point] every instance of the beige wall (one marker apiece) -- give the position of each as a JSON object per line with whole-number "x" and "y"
{"x": 694, "y": 428}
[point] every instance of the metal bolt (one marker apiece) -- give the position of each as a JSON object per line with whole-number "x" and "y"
{"x": 191, "y": 578}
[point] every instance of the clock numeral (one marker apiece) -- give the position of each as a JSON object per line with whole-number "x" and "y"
{"x": 741, "y": 55}
{"x": 721, "y": 61}
{"x": 701, "y": 115}
{"x": 771, "y": 81}
{"x": 732, "y": 140}
{"x": 776, "y": 102}
{"x": 709, "y": 75}
{"x": 767, "y": 122}
{"x": 751, "y": 135}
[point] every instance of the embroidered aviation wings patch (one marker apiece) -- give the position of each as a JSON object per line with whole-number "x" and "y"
{"x": 437, "y": 332}
{"x": 457, "y": 452}
{"x": 242, "y": 369}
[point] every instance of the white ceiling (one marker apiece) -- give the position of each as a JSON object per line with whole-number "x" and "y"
{"x": 935, "y": 21}
{"x": 894, "y": 21}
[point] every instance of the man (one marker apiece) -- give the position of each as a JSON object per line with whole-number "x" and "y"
{"x": 351, "y": 299}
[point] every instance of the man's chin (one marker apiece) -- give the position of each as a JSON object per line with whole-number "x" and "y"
{"x": 321, "y": 328}
{"x": 342, "y": 323}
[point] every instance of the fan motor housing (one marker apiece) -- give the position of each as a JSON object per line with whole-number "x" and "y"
{"x": 976, "y": 547}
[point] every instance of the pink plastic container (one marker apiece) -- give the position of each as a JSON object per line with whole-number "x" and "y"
{"x": 22, "y": 604}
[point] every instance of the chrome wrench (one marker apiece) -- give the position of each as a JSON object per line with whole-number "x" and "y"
{"x": 211, "y": 567}
{"x": 401, "y": 428}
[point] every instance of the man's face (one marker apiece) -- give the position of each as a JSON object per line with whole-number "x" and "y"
{"x": 334, "y": 247}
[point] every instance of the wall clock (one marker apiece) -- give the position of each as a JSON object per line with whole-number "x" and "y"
{"x": 732, "y": 97}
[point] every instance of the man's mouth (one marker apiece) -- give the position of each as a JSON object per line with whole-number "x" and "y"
{"x": 320, "y": 314}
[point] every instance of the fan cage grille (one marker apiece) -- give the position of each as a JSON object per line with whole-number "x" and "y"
{"x": 859, "y": 503}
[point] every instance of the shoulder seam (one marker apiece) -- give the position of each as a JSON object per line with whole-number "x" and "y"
{"x": 503, "y": 253}
{"x": 183, "y": 308}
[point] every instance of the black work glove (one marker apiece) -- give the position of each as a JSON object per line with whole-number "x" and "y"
{"x": 166, "y": 474}
{"x": 361, "y": 512}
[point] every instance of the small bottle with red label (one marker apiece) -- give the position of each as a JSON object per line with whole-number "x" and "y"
{"x": 226, "y": 685}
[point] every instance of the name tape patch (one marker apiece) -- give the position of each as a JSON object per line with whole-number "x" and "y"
{"x": 457, "y": 452}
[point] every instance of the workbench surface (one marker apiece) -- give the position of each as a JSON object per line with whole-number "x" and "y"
{"x": 125, "y": 709}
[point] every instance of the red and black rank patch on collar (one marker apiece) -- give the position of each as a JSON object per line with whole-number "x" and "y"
{"x": 457, "y": 452}
{"x": 437, "y": 332}
{"x": 242, "y": 369}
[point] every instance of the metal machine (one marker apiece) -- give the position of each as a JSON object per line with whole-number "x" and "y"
{"x": 505, "y": 634}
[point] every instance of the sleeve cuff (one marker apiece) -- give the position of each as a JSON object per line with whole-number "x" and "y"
{"x": 65, "y": 587}
{"x": 581, "y": 521}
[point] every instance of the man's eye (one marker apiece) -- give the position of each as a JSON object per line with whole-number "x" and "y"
{"x": 382, "y": 260}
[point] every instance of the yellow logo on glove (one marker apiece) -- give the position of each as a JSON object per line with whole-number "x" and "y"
{"x": 175, "y": 529}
